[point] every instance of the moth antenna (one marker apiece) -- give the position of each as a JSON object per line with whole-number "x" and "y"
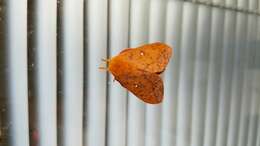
{"x": 105, "y": 60}
{"x": 103, "y": 68}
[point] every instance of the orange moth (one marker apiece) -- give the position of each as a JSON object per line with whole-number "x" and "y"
{"x": 138, "y": 70}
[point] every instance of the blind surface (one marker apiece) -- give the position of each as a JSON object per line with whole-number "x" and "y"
{"x": 52, "y": 92}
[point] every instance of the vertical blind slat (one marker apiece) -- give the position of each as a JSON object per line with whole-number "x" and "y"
{"x": 188, "y": 41}
{"x": 221, "y": 2}
{"x": 258, "y": 78}
{"x": 246, "y": 90}
{"x": 237, "y": 81}
{"x": 200, "y": 75}
{"x": 73, "y": 72}
{"x": 242, "y": 4}
{"x": 254, "y": 101}
{"x": 96, "y": 49}
{"x": 117, "y": 104}
{"x": 258, "y": 120}
{"x": 252, "y": 5}
{"x": 17, "y": 71}
{"x": 226, "y": 77}
{"x": 156, "y": 34}
{"x": 136, "y": 108}
{"x": 46, "y": 67}
{"x": 231, "y": 3}
{"x": 258, "y": 7}
{"x": 215, "y": 57}
{"x": 169, "y": 106}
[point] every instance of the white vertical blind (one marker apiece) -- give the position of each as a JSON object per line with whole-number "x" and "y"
{"x": 187, "y": 54}
{"x": 17, "y": 71}
{"x": 96, "y": 48}
{"x": 200, "y": 75}
{"x": 73, "y": 72}
{"x": 46, "y": 67}
{"x": 211, "y": 84}
{"x": 156, "y": 34}
{"x": 226, "y": 77}
{"x": 117, "y": 104}
{"x": 237, "y": 79}
{"x": 169, "y": 106}
{"x": 136, "y": 109}
{"x": 214, "y": 72}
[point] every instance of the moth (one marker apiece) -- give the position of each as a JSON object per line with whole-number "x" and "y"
{"x": 138, "y": 70}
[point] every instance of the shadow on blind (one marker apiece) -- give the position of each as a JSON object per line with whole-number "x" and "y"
{"x": 53, "y": 94}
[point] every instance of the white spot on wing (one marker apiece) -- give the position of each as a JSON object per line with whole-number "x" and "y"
{"x": 142, "y": 53}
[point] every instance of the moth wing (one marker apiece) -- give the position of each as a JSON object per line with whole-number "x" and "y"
{"x": 145, "y": 85}
{"x": 126, "y": 50}
{"x": 150, "y": 57}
